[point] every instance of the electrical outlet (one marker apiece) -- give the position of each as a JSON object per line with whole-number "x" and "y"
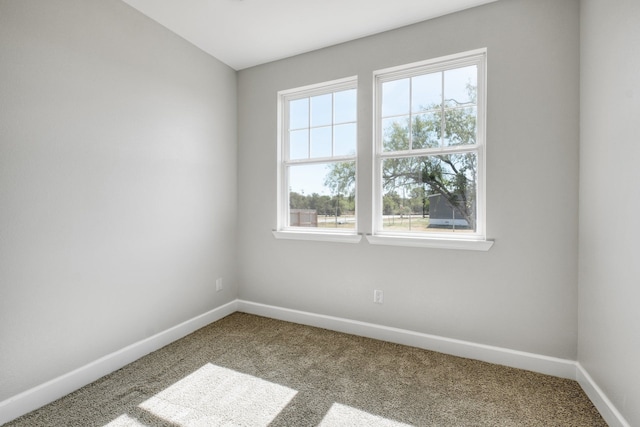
{"x": 377, "y": 296}
{"x": 219, "y": 286}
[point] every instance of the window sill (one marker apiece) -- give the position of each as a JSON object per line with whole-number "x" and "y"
{"x": 429, "y": 242}
{"x": 318, "y": 236}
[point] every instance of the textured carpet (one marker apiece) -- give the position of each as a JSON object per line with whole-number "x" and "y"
{"x": 246, "y": 370}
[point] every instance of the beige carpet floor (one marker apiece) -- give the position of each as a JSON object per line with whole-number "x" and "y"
{"x": 246, "y": 370}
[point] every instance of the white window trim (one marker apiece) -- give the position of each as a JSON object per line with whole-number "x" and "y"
{"x": 475, "y": 241}
{"x": 320, "y": 236}
{"x": 283, "y": 231}
{"x": 431, "y": 242}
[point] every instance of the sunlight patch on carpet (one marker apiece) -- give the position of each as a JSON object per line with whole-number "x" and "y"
{"x": 125, "y": 421}
{"x": 342, "y": 415}
{"x": 216, "y": 396}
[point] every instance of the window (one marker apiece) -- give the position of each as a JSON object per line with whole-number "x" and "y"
{"x": 429, "y": 150}
{"x": 428, "y": 153}
{"x": 317, "y": 159}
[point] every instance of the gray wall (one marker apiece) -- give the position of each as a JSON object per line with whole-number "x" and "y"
{"x": 522, "y": 294}
{"x": 117, "y": 184}
{"x": 118, "y": 188}
{"x": 609, "y": 338}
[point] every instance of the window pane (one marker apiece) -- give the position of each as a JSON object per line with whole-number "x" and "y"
{"x": 345, "y": 106}
{"x": 425, "y": 130}
{"x": 426, "y": 92}
{"x": 395, "y": 133}
{"x": 321, "y": 110}
{"x": 321, "y": 142}
{"x": 322, "y": 195}
{"x": 344, "y": 140}
{"x": 299, "y": 144}
{"x": 460, "y": 126}
{"x": 299, "y": 113}
{"x": 460, "y": 86}
{"x": 430, "y": 193}
{"x": 395, "y": 98}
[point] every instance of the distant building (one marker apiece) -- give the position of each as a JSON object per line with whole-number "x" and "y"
{"x": 442, "y": 214}
{"x": 303, "y": 218}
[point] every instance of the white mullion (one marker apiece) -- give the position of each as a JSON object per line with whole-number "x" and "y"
{"x": 286, "y": 149}
{"x": 282, "y": 157}
{"x": 481, "y": 112}
{"x": 377, "y": 205}
{"x": 452, "y": 149}
{"x": 442, "y": 109}
{"x": 333, "y": 119}
{"x": 400, "y": 115}
{"x": 410, "y": 112}
{"x": 317, "y": 160}
{"x": 285, "y": 176}
{"x": 309, "y": 128}
{"x": 462, "y": 106}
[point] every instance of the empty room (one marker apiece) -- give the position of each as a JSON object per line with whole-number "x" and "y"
{"x": 320, "y": 212}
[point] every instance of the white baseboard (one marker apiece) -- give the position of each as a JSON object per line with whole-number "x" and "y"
{"x": 563, "y": 368}
{"x": 517, "y": 359}
{"x": 600, "y": 400}
{"x": 43, "y": 394}
{"x": 46, "y": 393}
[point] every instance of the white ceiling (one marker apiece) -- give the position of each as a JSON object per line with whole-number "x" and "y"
{"x": 244, "y": 33}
